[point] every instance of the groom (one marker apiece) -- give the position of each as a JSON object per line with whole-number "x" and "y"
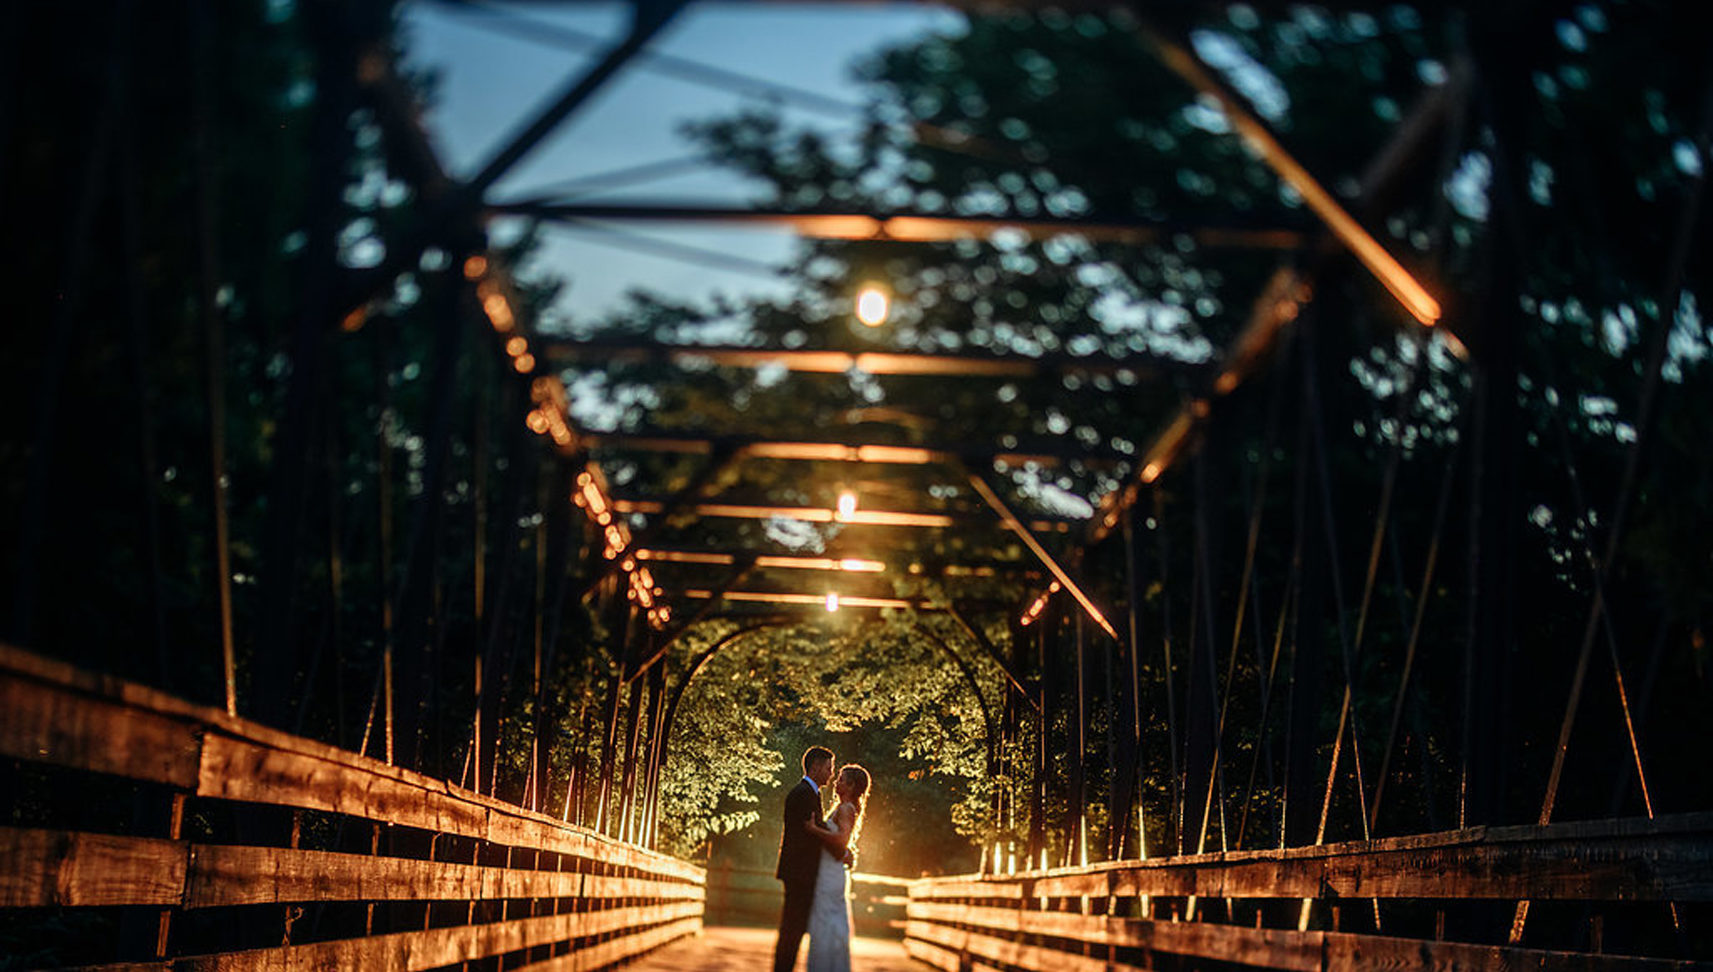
{"x": 800, "y": 855}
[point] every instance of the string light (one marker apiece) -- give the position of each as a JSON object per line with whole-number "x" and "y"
{"x": 872, "y": 305}
{"x": 847, "y": 504}
{"x": 832, "y": 603}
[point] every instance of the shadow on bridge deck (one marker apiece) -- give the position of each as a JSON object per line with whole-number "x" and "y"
{"x": 751, "y": 949}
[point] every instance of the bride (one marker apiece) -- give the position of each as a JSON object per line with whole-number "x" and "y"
{"x": 830, "y": 910}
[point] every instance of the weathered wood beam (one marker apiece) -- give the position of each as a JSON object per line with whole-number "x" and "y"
{"x": 99, "y": 724}
{"x": 1635, "y": 859}
{"x": 947, "y": 947}
{"x": 437, "y": 947}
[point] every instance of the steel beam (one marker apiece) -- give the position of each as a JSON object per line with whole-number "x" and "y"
{"x": 754, "y": 447}
{"x": 884, "y": 363}
{"x": 1047, "y": 559}
{"x": 912, "y": 227}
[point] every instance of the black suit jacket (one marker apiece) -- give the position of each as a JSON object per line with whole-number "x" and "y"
{"x": 799, "y": 851}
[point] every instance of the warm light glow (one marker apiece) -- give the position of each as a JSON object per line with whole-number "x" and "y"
{"x": 1036, "y": 609}
{"x": 838, "y": 227}
{"x": 861, "y": 566}
{"x": 592, "y": 494}
{"x": 780, "y": 597}
{"x": 872, "y": 305}
{"x": 475, "y": 267}
{"x": 832, "y": 603}
{"x": 847, "y": 504}
{"x": 516, "y": 345}
{"x": 354, "y": 320}
{"x": 811, "y": 514}
{"x": 1150, "y": 472}
{"x": 537, "y": 422}
{"x": 685, "y": 557}
{"x": 495, "y": 306}
{"x": 524, "y": 363}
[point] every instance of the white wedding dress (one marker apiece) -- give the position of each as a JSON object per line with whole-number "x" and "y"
{"x": 830, "y": 916}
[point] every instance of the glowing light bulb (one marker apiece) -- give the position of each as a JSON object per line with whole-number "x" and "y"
{"x": 847, "y": 504}
{"x": 872, "y": 305}
{"x": 832, "y": 603}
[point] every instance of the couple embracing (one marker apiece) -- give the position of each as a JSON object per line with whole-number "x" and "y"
{"x": 813, "y": 854}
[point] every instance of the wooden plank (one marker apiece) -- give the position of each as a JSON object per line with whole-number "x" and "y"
{"x": 44, "y": 868}
{"x": 53, "y": 712}
{"x": 617, "y": 950}
{"x": 223, "y": 875}
{"x": 46, "y": 723}
{"x": 432, "y": 948}
{"x": 1097, "y": 885}
{"x": 1345, "y": 951}
{"x": 237, "y": 769}
{"x": 1623, "y": 860}
{"x": 962, "y": 887}
{"x": 1034, "y": 957}
{"x": 636, "y": 916}
{"x": 240, "y": 769}
{"x": 930, "y": 954}
{"x": 1271, "y": 948}
{"x": 599, "y": 886}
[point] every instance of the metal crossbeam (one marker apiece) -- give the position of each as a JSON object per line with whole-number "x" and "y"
{"x": 560, "y": 351}
{"x": 752, "y": 447}
{"x": 843, "y": 564}
{"x": 914, "y": 227}
{"x": 821, "y": 514}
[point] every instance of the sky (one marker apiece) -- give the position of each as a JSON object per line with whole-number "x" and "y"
{"x": 497, "y": 64}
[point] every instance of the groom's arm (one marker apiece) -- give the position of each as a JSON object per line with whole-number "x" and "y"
{"x": 835, "y": 842}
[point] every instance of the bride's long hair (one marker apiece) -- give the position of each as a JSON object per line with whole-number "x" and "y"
{"x": 856, "y": 782}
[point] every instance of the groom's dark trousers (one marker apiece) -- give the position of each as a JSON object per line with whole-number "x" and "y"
{"x": 799, "y": 858}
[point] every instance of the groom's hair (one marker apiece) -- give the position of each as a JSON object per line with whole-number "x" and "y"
{"x": 815, "y": 754}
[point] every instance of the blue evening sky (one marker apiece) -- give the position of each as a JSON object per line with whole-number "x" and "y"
{"x": 495, "y": 71}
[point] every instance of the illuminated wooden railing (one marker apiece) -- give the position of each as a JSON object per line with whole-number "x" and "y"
{"x": 1247, "y": 906}
{"x": 321, "y": 858}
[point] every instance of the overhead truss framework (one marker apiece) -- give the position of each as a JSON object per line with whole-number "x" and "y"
{"x": 464, "y": 205}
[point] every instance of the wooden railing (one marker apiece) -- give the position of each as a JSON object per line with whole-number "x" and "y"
{"x": 220, "y": 843}
{"x": 1391, "y": 898}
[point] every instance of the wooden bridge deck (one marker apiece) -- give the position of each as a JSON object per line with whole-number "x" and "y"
{"x": 750, "y": 949}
